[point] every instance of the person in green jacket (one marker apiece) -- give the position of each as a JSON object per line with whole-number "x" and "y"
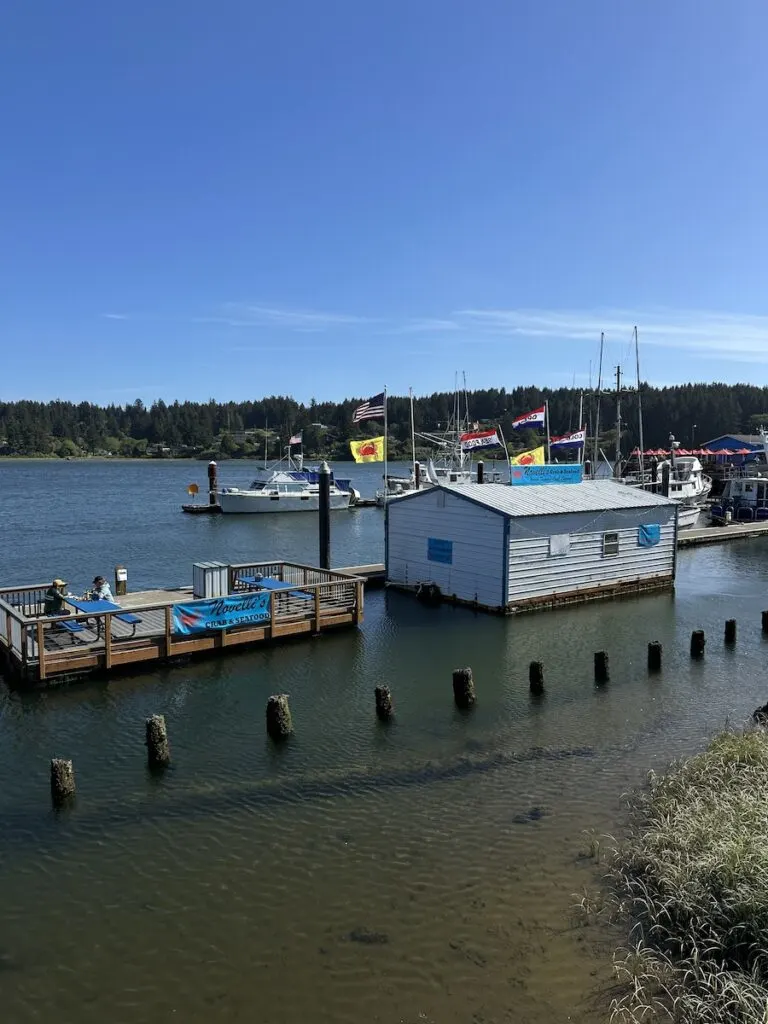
{"x": 53, "y": 600}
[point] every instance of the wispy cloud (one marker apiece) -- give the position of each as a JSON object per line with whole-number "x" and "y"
{"x": 240, "y": 315}
{"x": 696, "y": 331}
{"x": 115, "y": 316}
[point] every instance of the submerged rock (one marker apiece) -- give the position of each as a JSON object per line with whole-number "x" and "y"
{"x": 368, "y": 938}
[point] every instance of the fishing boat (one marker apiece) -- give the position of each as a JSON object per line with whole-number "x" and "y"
{"x": 287, "y": 486}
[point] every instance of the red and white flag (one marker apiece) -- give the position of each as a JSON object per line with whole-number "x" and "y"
{"x": 296, "y": 438}
{"x": 531, "y": 419}
{"x": 479, "y": 439}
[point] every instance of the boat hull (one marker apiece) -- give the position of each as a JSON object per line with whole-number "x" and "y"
{"x": 256, "y": 503}
{"x": 688, "y": 516}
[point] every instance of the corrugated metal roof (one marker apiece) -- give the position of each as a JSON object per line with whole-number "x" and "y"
{"x": 550, "y": 499}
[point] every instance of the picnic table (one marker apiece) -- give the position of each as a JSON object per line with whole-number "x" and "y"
{"x": 270, "y": 583}
{"x": 97, "y": 608}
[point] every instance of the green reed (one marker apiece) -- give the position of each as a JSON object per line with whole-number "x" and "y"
{"x": 691, "y": 877}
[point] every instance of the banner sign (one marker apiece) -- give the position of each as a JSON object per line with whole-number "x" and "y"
{"x": 221, "y": 613}
{"x": 567, "y": 473}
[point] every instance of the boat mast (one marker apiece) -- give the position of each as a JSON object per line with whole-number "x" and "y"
{"x": 639, "y": 409}
{"x": 413, "y": 435}
{"x": 580, "y": 426}
{"x": 597, "y": 412}
{"x": 617, "y": 461}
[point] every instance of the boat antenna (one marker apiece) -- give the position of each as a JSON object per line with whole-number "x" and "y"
{"x": 639, "y": 408}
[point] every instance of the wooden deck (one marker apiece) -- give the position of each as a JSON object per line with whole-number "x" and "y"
{"x": 720, "y": 534}
{"x": 41, "y": 650}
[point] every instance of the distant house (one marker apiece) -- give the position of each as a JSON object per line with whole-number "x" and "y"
{"x": 733, "y": 442}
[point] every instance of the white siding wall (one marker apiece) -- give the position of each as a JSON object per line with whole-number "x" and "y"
{"x": 533, "y": 572}
{"x": 477, "y": 571}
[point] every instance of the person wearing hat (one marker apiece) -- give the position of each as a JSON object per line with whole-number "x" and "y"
{"x": 101, "y": 590}
{"x": 53, "y": 599}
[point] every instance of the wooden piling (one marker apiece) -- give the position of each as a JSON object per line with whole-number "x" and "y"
{"x": 279, "y": 721}
{"x": 158, "y": 748}
{"x": 536, "y": 677}
{"x": 765, "y": 622}
{"x": 730, "y": 631}
{"x": 654, "y": 656}
{"x": 698, "y": 642}
{"x": 62, "y": 781}
{"x": 384, "y": 705}
{"x": 602, "y": 673}
{"x": 324, "y": 516}
{"x": 463, "y": 687}
{"x": 213, "y": 483}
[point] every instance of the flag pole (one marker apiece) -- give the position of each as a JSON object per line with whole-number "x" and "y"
{"x": 546, "y": 417}
{"x": 581, "y": 413}
{"x": 506, "y": 452}
{"x": 386, "y": 488}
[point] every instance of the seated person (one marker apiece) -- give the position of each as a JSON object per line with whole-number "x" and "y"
{"x": 101, "y": 590}
{"x": 53, "y": 599}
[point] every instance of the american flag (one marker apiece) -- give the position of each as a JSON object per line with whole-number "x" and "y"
{"x": 373, "y": 409}
{"x": 296, "y": 438}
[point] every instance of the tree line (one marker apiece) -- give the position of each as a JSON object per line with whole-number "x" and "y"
{"x": 694, "y": 413}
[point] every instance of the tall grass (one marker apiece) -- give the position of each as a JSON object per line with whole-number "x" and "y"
{"x": 692, "y": 879}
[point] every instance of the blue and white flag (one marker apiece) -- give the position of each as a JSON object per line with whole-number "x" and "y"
{"x": 574, "y": 440}
{"x": 530, "y": 419}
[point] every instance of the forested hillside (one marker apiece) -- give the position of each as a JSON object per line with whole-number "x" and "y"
{"x": 694, "y": 413}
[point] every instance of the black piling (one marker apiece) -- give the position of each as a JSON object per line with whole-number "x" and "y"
{"x": 158, "y": 748}
{"x": 417, "y": 475}
{"x": 279, "y": 722}
{"x": 730, "y": 631}
{"x": 62, "y": 781}
{"x": 480, "y": 472}
{"x": 213, "y": 483}
{"x": 665, "y": 479}
{"x": 698, "y": 642}
{"x": 536, "y": 677}
{"x": 384, "y": 705}
{"x": 765, "y": 622}
{"x": 463, "y": 687}
{"x": 324, "y": 518}
{"x": 654, "y": 656}
{"x": 602, "y": 673}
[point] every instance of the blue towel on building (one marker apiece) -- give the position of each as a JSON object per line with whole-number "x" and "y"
{"x": 647, "y": 536}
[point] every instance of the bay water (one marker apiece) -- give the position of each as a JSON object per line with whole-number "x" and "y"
{"x": 418, "y": 872}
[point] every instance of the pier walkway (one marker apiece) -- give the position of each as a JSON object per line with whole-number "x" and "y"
{"x": 720, "y": 534}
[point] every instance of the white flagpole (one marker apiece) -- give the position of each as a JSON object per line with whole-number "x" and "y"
{"x": 506, "y": 452}
{"x": 546, "y": 417}
{"x": 581, "y": 413}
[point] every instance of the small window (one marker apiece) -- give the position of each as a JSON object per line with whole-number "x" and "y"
{"x": 610, "y": 544}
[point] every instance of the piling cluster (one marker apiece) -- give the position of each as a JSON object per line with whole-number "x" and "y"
{"x": 279, "y": 722}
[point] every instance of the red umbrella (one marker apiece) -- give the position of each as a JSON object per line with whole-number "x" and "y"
{"x": 723, "y": 451}
{"x": 682, "y": 451}
{"x": 743, "y": 451}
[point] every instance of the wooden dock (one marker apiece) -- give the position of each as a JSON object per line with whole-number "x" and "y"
{"x": 720, "y": 534}
{"x": 40, "y": 649}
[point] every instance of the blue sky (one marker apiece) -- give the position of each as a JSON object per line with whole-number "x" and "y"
{"x": 237, "y": 198}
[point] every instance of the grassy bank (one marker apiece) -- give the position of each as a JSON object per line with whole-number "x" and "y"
{"x": 692, "y": 880}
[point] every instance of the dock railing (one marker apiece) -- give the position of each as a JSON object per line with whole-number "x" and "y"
{"x": 43, "y": 646}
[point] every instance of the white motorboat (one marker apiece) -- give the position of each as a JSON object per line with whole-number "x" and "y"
{"x": 687, "y": 480}
{"x": 286, "y": 487}
{"x": 744, "y": 499}
{"x": 687, "y": 516}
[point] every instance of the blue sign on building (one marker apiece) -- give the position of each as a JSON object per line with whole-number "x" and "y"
{"x": 568, "y": 473}
{"x": 440, "y": 550}
{"x": 221, "y": 613}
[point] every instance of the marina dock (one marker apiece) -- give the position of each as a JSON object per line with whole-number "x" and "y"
{"x": 265, "y": 601}
{"x": 720, "y": 534}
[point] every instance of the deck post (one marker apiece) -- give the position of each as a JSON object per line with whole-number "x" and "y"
{"x": 8, "y": 621}
{"x": 40, "y": 649}
{"x": 359, "y": 602}
{"x": 317, "y": 609}
{"x": 107, "y": 620}
{"x": 168, "y": 630}
{"x": 272, "y": 612}
{"x": 324, "y": 517}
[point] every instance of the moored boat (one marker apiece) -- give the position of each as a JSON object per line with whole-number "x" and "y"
{"x": 286, "y": 487}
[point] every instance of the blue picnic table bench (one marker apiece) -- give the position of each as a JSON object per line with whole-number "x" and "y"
{"x": 269, "y": 583}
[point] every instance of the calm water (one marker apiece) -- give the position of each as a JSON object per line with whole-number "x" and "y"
{"x": 417, "y": 873}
